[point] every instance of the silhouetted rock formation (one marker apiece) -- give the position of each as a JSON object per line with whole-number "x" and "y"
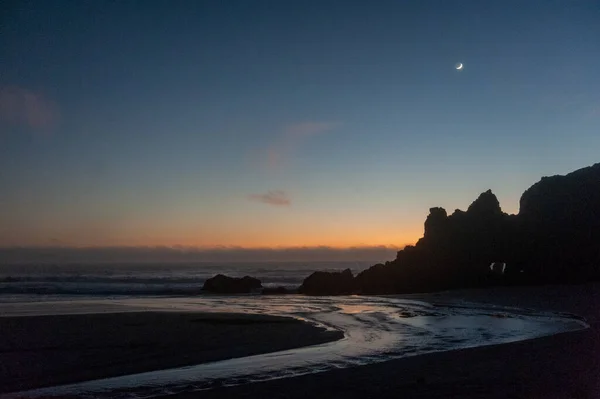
{"x": 554, "y": 238}
{"x": 328, "y": 283}
{"x": 221, "y": 284}
{"x": 455, "y": 251}
{"x": 560, "y": 219}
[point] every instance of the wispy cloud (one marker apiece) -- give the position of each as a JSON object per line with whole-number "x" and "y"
{"x": 276, "y": 198}
{"x": 292, "y": 137}
{"x": 23, "y": 107}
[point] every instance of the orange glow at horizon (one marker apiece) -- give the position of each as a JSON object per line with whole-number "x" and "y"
{"x": 369, "y": 238}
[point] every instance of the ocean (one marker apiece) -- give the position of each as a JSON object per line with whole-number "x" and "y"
{"x": 43, "y": 282}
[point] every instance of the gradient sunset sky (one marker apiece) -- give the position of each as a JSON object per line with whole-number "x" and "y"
{"x": 283, "y": 123}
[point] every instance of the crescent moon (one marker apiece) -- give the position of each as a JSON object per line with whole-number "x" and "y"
{"x": 459, "y": 66}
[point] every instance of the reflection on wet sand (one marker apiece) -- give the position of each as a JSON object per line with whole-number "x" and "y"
{"x": 375, "y": 329}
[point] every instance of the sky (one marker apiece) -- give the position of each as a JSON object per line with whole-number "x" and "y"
{"x": 262, "y": 124}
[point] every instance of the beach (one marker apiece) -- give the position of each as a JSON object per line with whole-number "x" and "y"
{"x": 39, "y": 351}
{"x": 564, "y": 365}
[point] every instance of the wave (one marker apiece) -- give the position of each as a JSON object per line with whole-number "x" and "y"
{"x": 129, "y": 288}
{"x": 140, "y": 280}
{"x": 98, "y": 289}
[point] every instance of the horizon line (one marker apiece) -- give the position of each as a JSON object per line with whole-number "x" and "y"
{"x": 56, "y": 254}
{"x": 204, "y": 248}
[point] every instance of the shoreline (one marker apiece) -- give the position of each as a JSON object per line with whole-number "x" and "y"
{"x": 487, "y": 371}
{"x": 100, "y": 345}
{"x": 561, "y": 366}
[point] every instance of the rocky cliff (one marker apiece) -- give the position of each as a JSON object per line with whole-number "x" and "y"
{"x": 554, "y": 238}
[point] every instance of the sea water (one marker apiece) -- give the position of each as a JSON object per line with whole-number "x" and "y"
{"x": 66, "y": 281}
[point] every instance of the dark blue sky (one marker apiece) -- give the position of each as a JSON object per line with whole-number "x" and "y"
{"x": 283, "y": 123}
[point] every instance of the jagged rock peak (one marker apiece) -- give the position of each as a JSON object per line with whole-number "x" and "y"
{"x": 435, "y": 221}
{"x": 485, "y": 204}
{"x": 437, "y": 212}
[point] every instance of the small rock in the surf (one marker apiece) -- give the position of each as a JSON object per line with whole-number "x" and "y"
{"x": 328, "y": 283}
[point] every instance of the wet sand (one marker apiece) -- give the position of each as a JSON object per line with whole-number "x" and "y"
{"x": 39, "y": 351}
{"x": 561, "y": 366}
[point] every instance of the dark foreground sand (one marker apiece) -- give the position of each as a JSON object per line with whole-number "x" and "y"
{"x": 40, "y": 351}
{"x": 561, "y": 366}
